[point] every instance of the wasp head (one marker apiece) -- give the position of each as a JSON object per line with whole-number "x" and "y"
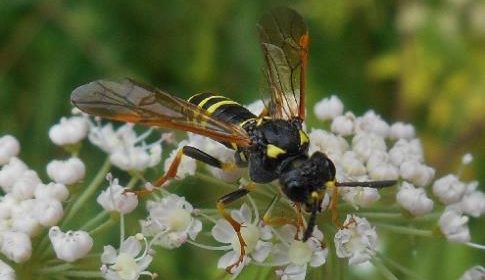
{"x": 301, "y": 178}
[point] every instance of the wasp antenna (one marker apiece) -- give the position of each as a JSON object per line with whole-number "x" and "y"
{"x": 369, "y": 184}
{"x": 311, "y": 221}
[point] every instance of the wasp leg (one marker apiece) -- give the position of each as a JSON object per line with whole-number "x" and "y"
{"x": 275, "y": 221}
{"x": 172, "y": 170}
{"x": 300, "y": 224}
{"x": 221, "y": 203}
{"x": 333, "y": 207}
{"x": 279, "y": 221}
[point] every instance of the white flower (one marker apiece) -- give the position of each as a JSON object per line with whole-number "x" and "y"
{"x": 48, "y": 211}
{"x": 414, "y": 200}
{"x": 379, "y": 167}
{"x": 170, "y": 221}
{"x": 69, "y": 131}
{"x": 6, "y": 272}
{"x": 417, "y": 173}
{"x": 129, "y": 263}
{"x": 114, "y": 199}
{"x": 7, "y": 203}
{"x": 454, "y": 226}
{"x": 343, "y": 125}
{"x": 10, "y": 173}
{"x": 401, "y": 130}
{"x": 351, "y": 164}
{"x": 9, "y": 148}
{"x": 371, "y": 123}
{"x": 292, "y": 272}
{"x": 16, "y": 246}
{"x": 356, "y": 241}
{"x": 297, "y": 255}
{"x": 25, "y": 186}
{"x": 406, "y": 150}
{"x": 253, "y": 234}
{"x": 328, "y": 108}
{"x": 473, "y": 202}
{"x": 136, "y": 158}
{"x": 70, "y": 246}
{"x": 66, "y": 172}
{"x": 360, "y": 197}
{"x": 52, "y": 190}
{"x": 475, "y": 273}
{"x": 187, "y": 165}
{"x": 330, "y": 144}
{"x": 123, "y": 149}
{"x": 23, "y": 217}
{"x": 107, "y": 139}
{"x": 365, "y": 144}
{"x": 449, "y": 189}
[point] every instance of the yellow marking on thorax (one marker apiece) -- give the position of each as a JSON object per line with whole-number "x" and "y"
{"x": 303, "y": 138}
{"x": 273, "y": 151}
{"x": 215, "y": 106}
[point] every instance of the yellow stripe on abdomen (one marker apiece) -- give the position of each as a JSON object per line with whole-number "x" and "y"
{"x": 217, "y": 105}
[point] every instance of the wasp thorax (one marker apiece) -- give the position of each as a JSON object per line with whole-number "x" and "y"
{"x": 302, "y": 176}
{"x": 282, "y": 137}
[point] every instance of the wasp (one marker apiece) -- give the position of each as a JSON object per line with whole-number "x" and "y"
{"x": 273, "y": 145}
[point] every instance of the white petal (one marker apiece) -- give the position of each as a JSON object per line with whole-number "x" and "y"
{"x": 16, "y": 246}
{"x": 9, "y": 148}
{"x": 131, "y": 246}
{"x": 223, "y": 231}
{"x": 109, "y": 255}
{"x": 262, "y": 250}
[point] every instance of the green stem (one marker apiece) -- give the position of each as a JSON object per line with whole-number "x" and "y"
{"x": 406, "y": 230}
{"x": 96, "y": 220}
{"x": 383, "y": 269}
{"x": 134, "y": 179}
{"x": 88, "y": 192}
{"x": 56, "y": 269}
{"x": 399, "y": 267}
{"x": 204, "y": 215}
{"x": 214, "y": 181}
{"x": 384, "y": 216}
{"x": 107, "y": 224}
{"x": 83, "y": 274}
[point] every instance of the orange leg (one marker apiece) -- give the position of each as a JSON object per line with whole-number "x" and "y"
{"x": 333, "y": 207}
{"x": 221, "y": 203}
{"x": 172, "y": 170}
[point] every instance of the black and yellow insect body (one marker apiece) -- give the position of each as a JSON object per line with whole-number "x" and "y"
{"x": 272, "y": 145}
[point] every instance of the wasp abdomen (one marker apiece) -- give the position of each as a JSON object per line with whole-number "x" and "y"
{"x": 222, "y": 108}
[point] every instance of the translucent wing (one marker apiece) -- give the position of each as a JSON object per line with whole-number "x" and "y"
{"x": 129, "y": 101}
{"x": 284, "y": 40}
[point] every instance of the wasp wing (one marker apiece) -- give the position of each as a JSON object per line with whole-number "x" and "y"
{"x": 129, "y": 101}
{"x": 284, "y": 40}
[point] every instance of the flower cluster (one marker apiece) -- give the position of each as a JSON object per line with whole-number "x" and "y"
{"x": 260, "y": 232}
{"x": 29, "y": 205}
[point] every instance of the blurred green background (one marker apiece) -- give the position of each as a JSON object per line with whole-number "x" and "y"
{"x": 421, "y": 62}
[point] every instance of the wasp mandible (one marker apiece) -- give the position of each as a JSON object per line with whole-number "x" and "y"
{"x": 273, "y": 145}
